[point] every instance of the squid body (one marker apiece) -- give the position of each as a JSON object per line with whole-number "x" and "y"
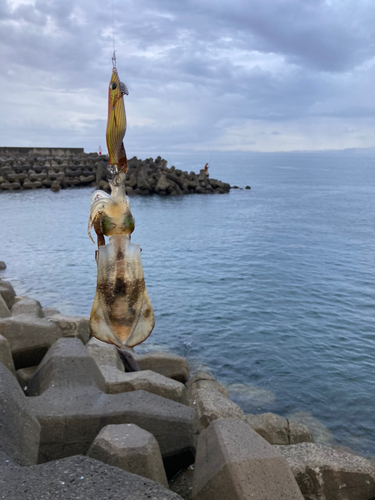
{"x": 122, "y": 313}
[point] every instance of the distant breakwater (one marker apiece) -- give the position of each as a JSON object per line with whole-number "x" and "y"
{"x": 23, "y": 169}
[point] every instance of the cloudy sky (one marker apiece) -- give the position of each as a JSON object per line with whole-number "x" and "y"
{"x": 259, "y": 75}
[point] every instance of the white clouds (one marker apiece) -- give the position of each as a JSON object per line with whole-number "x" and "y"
{"x": 306, "y": 134}
{"x": 254, "y": 74}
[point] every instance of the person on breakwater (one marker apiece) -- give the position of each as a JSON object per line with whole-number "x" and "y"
{"x": 206, "y": 169}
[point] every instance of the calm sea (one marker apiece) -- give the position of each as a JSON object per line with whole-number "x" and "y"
{"x": 272, "y": 289}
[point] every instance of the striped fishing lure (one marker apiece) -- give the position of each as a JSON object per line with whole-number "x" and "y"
{"x": 116, "y": 123}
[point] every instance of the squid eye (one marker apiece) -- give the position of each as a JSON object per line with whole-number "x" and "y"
{"x": 113, "y": 86}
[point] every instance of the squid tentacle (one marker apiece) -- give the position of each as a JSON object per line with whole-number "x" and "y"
{"x": 97, "y": 210}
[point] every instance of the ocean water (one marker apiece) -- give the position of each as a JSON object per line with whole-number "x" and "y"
{"x": 272, "y": 289}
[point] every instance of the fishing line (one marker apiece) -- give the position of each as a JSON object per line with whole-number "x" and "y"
{"x": 113, "y": 36}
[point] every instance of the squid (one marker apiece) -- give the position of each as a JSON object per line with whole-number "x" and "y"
{"x": 121, "y": 313}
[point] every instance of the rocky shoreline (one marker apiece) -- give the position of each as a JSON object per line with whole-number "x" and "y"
{"x": 74, "y": 424}
{"x": 61, "y": 169}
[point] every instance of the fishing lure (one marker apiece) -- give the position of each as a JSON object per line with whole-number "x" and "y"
{"x": 122, "y": 313}
{"x": 116, "y": 123}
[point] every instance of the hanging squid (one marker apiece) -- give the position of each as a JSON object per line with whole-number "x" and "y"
{"x": 122, "y": 313}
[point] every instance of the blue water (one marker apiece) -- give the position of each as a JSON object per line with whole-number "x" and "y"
{"x": 273, "y": 289}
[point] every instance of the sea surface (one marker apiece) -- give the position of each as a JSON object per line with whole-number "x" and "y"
{"x": 272, "y": 289}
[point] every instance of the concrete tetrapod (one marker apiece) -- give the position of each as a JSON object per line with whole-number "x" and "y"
{"x": 144, "y": 380}
{"x": 183, "y": 483}
{"x": 24, "y": 375}
{"x": 76, "y": 478}
{"x": 68, "y": 399}
{"x": 30, "y": 334}
{"x": 19, "y": 429}
{"x": 29, "y": 338}
{"x": 131, "y": 448}
{"x": 203, "y": 380}
{"x": 211, "y": 404}
{"x": 104, "y": 354}
{"x": 278, "y": 430}
{"x": 107, "y": 358}
{"x": 49, "y": 311}
{"x": 72, "y": 326}
{"x": 25, "y": 305}
{"x": 4, "y": 309}
{"x": 325, "y": 473}
{"x": 7, "y": 292}
{"x": 165, "y": 363}
{"x": 5, "y": 354}
{"x": 234, "y": 462}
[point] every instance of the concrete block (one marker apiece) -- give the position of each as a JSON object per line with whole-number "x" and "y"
{"x": 78, "y": 477}
{"x": 4, "y": 309}
{"x": 108, "y": 359}
{"x": 24, "y": 375}
{"x": 72, "y": 326}
{"x": 204, "y": 380}
{"x": 105, "y": 354}
{"x": 299, "y": 433}
{"x": 169, "y": 365}
{"x": 29, "y": 338}
{"x": 7, "y": 292}
{"x": 67, "y": 364}
{"x": 71, "y": 420}
{"x": 145, "y": 380}
{"x": 278, "y": 430}
{"x": 272, "y": 428}
{"x": 211, "y": 405}
{"x": 130, "y": 448}
{"x": 325, "y": 473}
{"x": 49, "y": 311}
{"x": 25, "y": 305}
{"x": 19, "y": 429}
{"x": 183, "y": 483}
{"x": 6, "y": 355}
{"x": 234, "y": 462}
{"x": 320, "y": 433}
{"x": 67, "y": 398}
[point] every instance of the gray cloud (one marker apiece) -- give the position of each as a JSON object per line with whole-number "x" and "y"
{"x": 254, "y": 74}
